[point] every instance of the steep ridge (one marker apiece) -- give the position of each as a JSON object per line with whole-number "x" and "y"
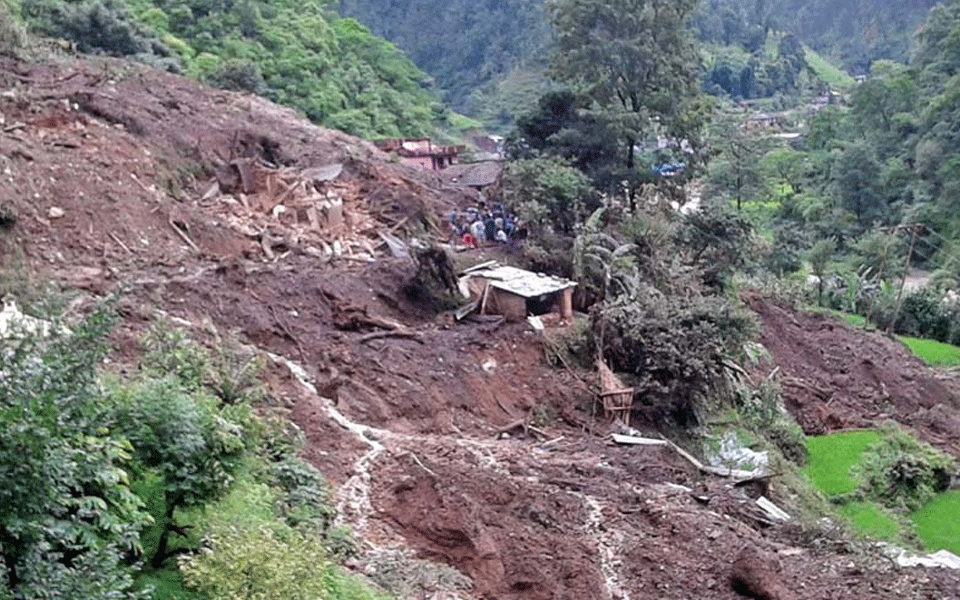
{"x": 107, "y": 169}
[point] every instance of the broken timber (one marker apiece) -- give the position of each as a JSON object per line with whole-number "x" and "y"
{"x": 737, "y": 474}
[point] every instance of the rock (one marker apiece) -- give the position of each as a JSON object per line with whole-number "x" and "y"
{"x": 756, "y": 574}
{"x": 55, "y": 212}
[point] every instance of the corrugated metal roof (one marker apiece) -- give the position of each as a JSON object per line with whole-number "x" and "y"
{"x": 522, "y": 283}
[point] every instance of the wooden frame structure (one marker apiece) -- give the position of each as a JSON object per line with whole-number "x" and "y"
{"x": 617, "y": 398}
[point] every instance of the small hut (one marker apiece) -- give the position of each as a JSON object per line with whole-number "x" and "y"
{"x": 516, "y": 293}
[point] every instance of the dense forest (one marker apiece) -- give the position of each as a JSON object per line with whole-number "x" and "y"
{"x": 485, "y": 57}
{"x": 301, "y": 54}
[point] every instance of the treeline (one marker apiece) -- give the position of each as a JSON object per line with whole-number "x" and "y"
{"x": 301, "y": 54}
{"x": 481, "y": 54}
{"x": 465, "y": 46}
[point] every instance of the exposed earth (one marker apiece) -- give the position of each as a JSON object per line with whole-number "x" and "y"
{"x": 449, "y": 443}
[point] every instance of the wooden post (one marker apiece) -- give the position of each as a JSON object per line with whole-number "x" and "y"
{"x": 566, "y": 304}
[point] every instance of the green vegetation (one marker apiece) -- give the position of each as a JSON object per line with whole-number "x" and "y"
{"x": 832, "y": 457}
{"x": 300, "y": 54}
{"x": 902, "y": 472}
{"x": 933, "y": 353}
{"x": 837, "y": 79}
{"x": 881, "y": 478}
{"x": 937, "y": 523}
{"x": 158, "y": 487}
{"x": 869, "y": 519}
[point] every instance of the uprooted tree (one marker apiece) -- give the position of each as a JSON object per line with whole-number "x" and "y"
{"x": 655, "y": 319}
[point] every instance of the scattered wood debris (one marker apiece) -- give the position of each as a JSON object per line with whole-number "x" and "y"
{"x": 296, "y": 210}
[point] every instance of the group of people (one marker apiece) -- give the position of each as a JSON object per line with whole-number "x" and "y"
{"x": 477, "y": 225}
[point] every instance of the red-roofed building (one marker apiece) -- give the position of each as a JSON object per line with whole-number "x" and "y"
{"x": 422, "y": 153}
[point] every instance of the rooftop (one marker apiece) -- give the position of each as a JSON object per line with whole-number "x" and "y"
{"x": 519, "y": 281}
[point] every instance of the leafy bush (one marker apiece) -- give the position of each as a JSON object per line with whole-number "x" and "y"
{"x": 674, "y": 347}
{"x": 788, "y": 437}
{"x": 760, "y": 407}
{"x": 12, "y": 38}
{"x": 235, "y": 374}
{"x": 239, "y": 76}
{"x": 243, "y": 562}
{"x": 902, "y": 472}
{"x": 69, "y": 522}
{"x": 169, "y": 351}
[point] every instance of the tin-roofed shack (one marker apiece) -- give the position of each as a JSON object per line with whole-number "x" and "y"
{"x": 516, "y": 293}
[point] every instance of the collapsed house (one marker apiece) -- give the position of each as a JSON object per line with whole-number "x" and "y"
{"x": 516, "y": 293}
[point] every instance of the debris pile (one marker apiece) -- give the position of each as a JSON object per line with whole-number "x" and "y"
{"x": 297, "y": 210}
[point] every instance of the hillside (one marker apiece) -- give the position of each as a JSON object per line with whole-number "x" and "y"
{"x": 472, "y": 52}
{"x": 453, "y": 443}
{"x": 302, "y": 55}
{"x": 466, "y": 47}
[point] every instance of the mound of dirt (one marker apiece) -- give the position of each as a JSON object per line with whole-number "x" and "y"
{"x": 835, "y": 376}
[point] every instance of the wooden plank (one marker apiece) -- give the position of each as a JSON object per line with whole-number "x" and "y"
{"x": 466, "y": 309}
{"x": 483, "y": 265}
{"x": 483, "y": 303}
{"x": 632, "y": 440}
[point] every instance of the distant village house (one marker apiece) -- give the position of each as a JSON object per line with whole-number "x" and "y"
{"x": 422, "y": 152}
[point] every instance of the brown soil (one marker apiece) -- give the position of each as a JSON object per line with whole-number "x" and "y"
{"x": 419, "y": 457}
{"x": 835, "y": 376}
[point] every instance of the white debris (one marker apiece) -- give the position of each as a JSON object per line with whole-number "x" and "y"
{"x": 732, "y": 455}
{"x": 632, "y": 440}
{"x": 940, "y": 558}
{"x": 773, "y": 511}
{"x": 14, "y": 323}
{"x": 55, "y": 212}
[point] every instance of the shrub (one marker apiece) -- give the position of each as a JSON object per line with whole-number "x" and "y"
{"x": 788, "y": 437}
{"x": 674, "y": 346}
{"x": 13, "y": 37}
{"x": 170, "y": 351}
{"x": 239, "y": 76}
{"x": 902, "y": 472}
{"x": 923, "y": 314}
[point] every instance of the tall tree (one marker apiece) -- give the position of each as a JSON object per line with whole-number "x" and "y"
{"x": 635, "y": 59}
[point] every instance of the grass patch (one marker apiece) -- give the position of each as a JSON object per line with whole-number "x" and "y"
{"x": 837, "y": 78}
{"x": 935, "y": 354}
{"x": 831, "y": 457}
{"x": 937, "y": 523}
{"x": 848, "y": 318}
{"x": 869, "y": 519}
